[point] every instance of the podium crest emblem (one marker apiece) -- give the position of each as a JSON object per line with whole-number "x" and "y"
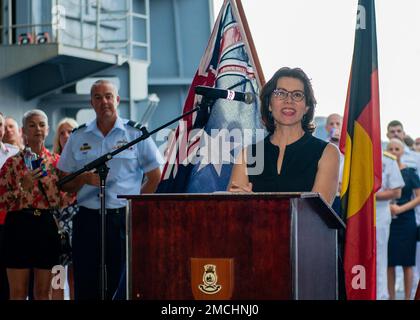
{"x": 210, "y": 285}
{"x": 212, "y": 278}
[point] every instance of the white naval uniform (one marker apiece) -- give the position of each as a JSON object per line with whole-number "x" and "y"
{"x": 126, "y": 169}
{"x": 7, "y": 151}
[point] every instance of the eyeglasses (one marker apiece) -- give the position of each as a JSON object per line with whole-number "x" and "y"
{"x": 282, "y": 94}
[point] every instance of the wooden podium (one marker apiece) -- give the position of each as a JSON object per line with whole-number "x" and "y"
{"x": 276, "y": 245}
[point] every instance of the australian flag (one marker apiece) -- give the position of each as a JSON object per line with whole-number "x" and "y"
{"x": 205, "y": 144}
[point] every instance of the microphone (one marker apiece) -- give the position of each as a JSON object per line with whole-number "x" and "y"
{"x": 214, "y": 93}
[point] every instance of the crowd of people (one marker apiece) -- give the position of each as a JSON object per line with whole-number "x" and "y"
{"x": 34, "y": 211}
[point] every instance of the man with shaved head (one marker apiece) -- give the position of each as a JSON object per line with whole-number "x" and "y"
{"x": 106, "y": 133}
{"x": 12, "y": 133}
{"x": 333, "y": 127}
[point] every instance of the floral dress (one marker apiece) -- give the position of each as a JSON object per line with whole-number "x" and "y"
{"x": 13, "y": 198}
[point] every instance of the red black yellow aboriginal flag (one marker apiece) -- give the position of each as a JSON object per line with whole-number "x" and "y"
{"x": 361, "y": 145}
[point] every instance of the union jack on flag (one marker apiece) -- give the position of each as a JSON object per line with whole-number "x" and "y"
{"x": 195, "y": 162}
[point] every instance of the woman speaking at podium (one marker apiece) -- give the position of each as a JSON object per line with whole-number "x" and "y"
{"x": 293, "y": 160}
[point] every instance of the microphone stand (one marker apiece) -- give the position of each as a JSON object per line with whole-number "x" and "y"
{"x": 101, "y": 168}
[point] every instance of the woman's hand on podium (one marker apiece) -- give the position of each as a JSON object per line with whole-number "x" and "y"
{"x": 234, "y": 187}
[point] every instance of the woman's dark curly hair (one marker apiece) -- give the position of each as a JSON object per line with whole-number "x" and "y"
{"x": 267, "y": 90}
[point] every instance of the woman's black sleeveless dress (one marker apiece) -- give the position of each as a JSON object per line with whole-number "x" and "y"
{"x": 299, "y": 167}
